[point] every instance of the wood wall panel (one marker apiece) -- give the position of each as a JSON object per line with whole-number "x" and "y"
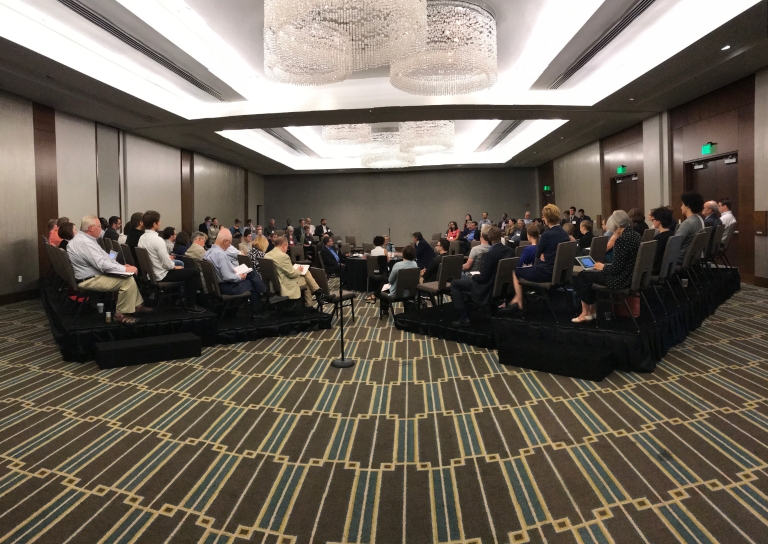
{"x": 545, "y": 174}
{"x": 46, "y": 187}
{"x": 188, "y": 191}
{"x": 725, "y": 116}
{"x": 623, "y": 148}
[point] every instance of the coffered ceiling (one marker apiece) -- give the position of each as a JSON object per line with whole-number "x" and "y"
{"x": 190, "y": 73}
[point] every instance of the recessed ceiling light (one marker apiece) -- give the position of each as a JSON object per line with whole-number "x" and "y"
{"x": 726, "y": 48}
{"x": 631, "y": 99}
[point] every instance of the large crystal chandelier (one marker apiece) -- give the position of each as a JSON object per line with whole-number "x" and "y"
{"x": 347, "y": 134}
{"x": 314, "y": 42}
{"x": 422, "y": 137}
{"x": 459, "y": 56}
{"x": 384, "y": 152}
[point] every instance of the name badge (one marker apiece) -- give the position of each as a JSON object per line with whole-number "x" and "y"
{"x": 574, "y": 222}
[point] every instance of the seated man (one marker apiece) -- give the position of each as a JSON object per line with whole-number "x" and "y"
{"x": 291, "y": 279}
{"x": 692, "y": 204}
{"x": 196, "y": 250}
{"x": 163, "y": 264}
{"x": 231, "y": 283}
{"x": 92, "y": 266}
{"x": 430, "y": 273}
{"x": 472, "y": 235}
{"x": 475, "y": 260}
{"x": 332, "y": 262}
{"x": 113, "y": 232}
{"x": 424, "y": 252}
{"x": 481, "y": 285}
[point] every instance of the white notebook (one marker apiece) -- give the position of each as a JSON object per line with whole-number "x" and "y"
{"x": 242, "y": 269}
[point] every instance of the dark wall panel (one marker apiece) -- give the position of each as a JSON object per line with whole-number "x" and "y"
{"x": 623, "y": 148}
{"x": 46, "y": 189}
{"x": 188, "y": 191}
{"x": 545, "y": 174}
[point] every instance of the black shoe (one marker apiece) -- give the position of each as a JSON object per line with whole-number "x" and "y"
{"x": 320, "y": 297}
{"x": 462, "y": 322}
{"x": 196, "y": 309}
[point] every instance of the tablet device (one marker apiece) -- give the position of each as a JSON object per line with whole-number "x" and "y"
{"x": 587, "y": 262}
{"x": 113, "y": 254}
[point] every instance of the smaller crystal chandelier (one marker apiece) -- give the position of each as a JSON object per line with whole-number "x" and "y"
{"x": 422, "y": 137}
{"x": 347, "y": 134}
{"x": 459, "y": 56}
{"x": 384, "y": 152}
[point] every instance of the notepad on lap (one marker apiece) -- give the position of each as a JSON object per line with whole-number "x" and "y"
{"x": 302, "y": 268}
{"x": 242, "y": 269}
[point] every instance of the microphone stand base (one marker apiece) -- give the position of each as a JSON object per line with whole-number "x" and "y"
{"x": 342, "y": 363}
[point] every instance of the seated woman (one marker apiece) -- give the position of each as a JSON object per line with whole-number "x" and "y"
{"x": 585, "y": 242}
{"x": 453, "y": 231}
{"x": 292, "y": 240}
{"x": 528, "y": 256}
{"x": 568, "y": 228}
{"x": 181, "y": 244}
{"x": 616, "y": 276}
{"x": 663, "y": 222}
{"x": 544, "y": 261}
{"x": 409, "y": 261}
{"x": 245, "y": 242}
{"x": 376, "y": 252}
{"x": 257, "y": 251}
{"x": 67, "y": 231}
{"x": 638, "y": 221}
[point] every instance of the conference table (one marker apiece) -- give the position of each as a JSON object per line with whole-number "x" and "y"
{"x": 357, "y": 271}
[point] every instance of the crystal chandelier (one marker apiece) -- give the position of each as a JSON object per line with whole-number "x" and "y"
{"x": 422, "y": 137}
{"x": 384, "y": 152}
{"x": 347, "y": 134}
{"x": 459, "y": 56}
{"x": 314, "y": 42}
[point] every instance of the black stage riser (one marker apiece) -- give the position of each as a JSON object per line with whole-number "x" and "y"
{"x": 142, "y": 351}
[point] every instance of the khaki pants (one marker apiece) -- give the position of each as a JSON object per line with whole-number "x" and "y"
{"x": 128, "y": 297}
{"x": 310, "y": 282}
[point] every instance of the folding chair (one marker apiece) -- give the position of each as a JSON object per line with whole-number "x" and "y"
{"x": 407, "y": 280}
{"x": 338, "y": 301}
{"x": 561, "y": 274}
{"x": 215, "y": 297}
{"x": 147, "y": 274}
{"x": 450, "y": 269}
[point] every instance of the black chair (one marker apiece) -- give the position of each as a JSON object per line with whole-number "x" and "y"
{"x": 450, "y": 269}
{"x": 641, "y": 279}
{"x": 297, "y": 255}
{"x": 333, "y": 297}
{"x": 503, "y": 281}
{"x": 64, "y": 267}
{"x": 213, "y": 291}
{"x": 690, "y": 260}
{"x": 667, "y": 270}
{"x": 160, "y": 288}
{"x": 561, "y": 274}
{"x": 648, "y": 235}
{"x": 599, "y": 248}
{"x": 407, "y": 280}
{"x": 275, "y": 298}
{"x": 127, "y": 255}
{"x": 377, "y": 271}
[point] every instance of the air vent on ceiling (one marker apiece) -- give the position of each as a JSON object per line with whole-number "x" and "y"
{"x": 283, "y": 140}
{"x": 507, "y": 131}
{"x": 126, "y": 38}
{"x": 600, "y": 44}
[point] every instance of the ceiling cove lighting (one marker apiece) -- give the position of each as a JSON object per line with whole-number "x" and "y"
{"x": 347, "y": 134}
{"x": 726, "y": 48}
{"x": 459, "y": 56}
{"x": 315, "y": 42}
{"x": 422, "y": 137}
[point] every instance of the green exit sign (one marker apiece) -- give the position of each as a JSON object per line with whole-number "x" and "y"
{"x": 547, "y": 187}
{"x": 708, "y": 148}
{"x": 621, "y": 169}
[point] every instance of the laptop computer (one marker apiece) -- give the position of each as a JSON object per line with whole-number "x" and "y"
{"x": 586, "y": 261}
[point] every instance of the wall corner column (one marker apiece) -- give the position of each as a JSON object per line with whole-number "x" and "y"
{"x": 656, "y": 160}
{"x": 46, "y": 185}
{"x": 187, "y": 191}
{"x": 761, "y": 172}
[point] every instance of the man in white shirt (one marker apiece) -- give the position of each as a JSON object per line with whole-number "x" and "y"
{"x": 92, "y": 267}
{"x": 308, "y": 221}
{"x": 162, "y": 263}
{"x": 527, "y": 219}
{"x": 475, "y": 260}
{"x": 726, "y": 216}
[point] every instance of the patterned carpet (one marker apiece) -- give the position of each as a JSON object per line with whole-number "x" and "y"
{"x": 425, "y": 441}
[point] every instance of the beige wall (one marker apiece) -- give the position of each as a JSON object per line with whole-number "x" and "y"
{"x": 219, "y": 191}
{"x": 108, "y": 170}
{"x": 364, "y": 205}
{"x": 761, "y": 167}
{"x": 656, "y": 160}
{"x": 76, "y": 167}
{"x": 577, "y": 180}
{"x": 152, "y": 179}
{"x": 18, "y": 205}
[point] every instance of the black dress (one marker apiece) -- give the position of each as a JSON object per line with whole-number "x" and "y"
{"x": 615, "y": 276}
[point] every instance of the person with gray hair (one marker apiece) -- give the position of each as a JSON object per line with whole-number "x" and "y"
{"x": 711, "y": 213}
{"x": 95, "y": 271}
{"x": 290, "y": 236}
{"x": 616, "y": 276}
{"x": 197, "y": 248}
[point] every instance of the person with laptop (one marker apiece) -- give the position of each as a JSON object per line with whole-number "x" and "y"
{"x": 617, "y": 275}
